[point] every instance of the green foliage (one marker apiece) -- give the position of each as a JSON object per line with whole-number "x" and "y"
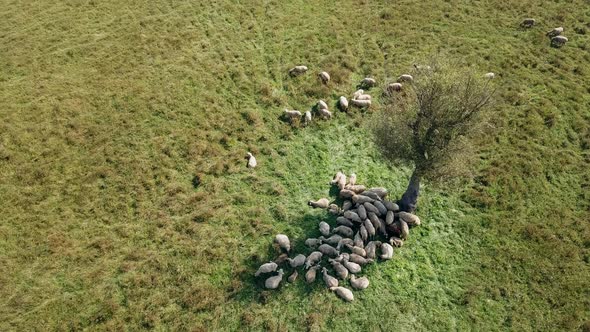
{"x": 110, "y": 109}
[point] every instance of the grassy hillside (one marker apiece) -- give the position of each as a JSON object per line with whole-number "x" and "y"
{"x": 111, "y": 111}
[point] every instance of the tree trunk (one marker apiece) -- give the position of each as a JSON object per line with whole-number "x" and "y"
{"x": 409, "y": 200}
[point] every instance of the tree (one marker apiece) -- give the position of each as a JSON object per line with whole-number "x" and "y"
{"x": 431, "y": 124}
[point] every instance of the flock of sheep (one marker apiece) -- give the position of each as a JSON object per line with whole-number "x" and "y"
{"x": 557, "y": 40}
{"x": 368, "y": 228}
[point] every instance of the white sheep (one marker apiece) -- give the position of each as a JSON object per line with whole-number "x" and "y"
{"x": 490, "y": 75}
{"x": 297, "y": 70}
{"x": 292, "y": 114}
{"x": 307, "y": 118}
{"x": 352, "y": 179}
{"x": 358, "y": 93}
{"x": 322, "y": 105}
{"x": 555, "y": 32}
{"x": 343, "y": 102}
{"x": 325, "y": 77}
{"x": 360, "y": 103}
{"x": 558, "y": 41}
{"x": 363, "y": 97}
{"x": 391, "y": 87}
{"x": 324, "y": 113}
{"x": 368, "y": 82}
{"x": 405, "y": 78}
{"x": 251, "y": 160}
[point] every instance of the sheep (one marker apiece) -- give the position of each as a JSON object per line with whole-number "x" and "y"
{"x": 389, "y": 217}
{"x": 324, "y": 113}
{"x": 352, "y": 267}
{"x": 283, "y": 241}
{"x": 297, "y": 261}
{"x": 358, "y": 93}
{"x": 340, "y": 270}
{"x": 251, "y": 160}
{"x": 364, "y": 233}
{"x": 357, "y": 188}
{"x": 342, "y": 182}
{"x": 307, "y": 118}
{"x": 273, "y": 282}
{"x": 313, "y": 243}
{"x": 297, "y": 70}
{"x": 322, "y": 105}
{"x": 325, "y": 77}
{"x": 371, "y": 249}
{"x": 554, "y": 32}
{"x": 293, "y": 276}
{"x": 405, "y": 78}
{"x": 359, "y": 259}
{"x": 322, "y": 203}
{"x": 344, "y": 231}
{"x": 394, "y": 87}
{"x": 336, "y": 177}
{"x": 311, "y": 274}
{"x": 328, "y": 279}
{"x": 343, "y": 242}
{"x": 358, "y": 240}
{"x": 382, "y": 209}
{"x": 266, "y": 268}
{"x": 324, "y": 228}
{"x": 396, "y": 241}
{"x": 345, "y": 193}
{"x": 391, "y": 206}
{"x": 352, "y": 180}
{"x": 328, "y": 250}
{"x": 362, "y": 212}
{"x": 382, "y": 192}
{"x": 489, "y": 75}
{"x": 528, "y": 23}
{"x": 281, "y": 259}
{"x": 313, "y": 258}
{"x": 343, "y": 103}
{"x": 341, "y": 221}
{"x": 409, "y": 218}
{"x": 291, "y": 115}
{"x": 343, "y": 293}
{"x": 333, "y": 240}
{"x": 368, "y": 82}
{"x": 360, "y": 199}
{"x": 404, "y": 229}
{"x": 356, "y": 250}
{"x": 346, "y": 205}
{"x": 386, "y": 251}
{"x": 352, "y": 216}
{"x": 334, "y": 209}
{"x": 360, "y": 103}
{"x": 363, "y": 97}
{"x": 370, "y": 228}
{"x": 558, "y": 41}
{"x": 371, "y": 208}
{"x": 372, "y": 195}
{"x": 360, "y": 283}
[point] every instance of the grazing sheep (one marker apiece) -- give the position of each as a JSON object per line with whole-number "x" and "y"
{"x": 396, "y": 241}
{"x": 359, "y": 283}
{"x": 371, "y": 208}
{"x": 361, "y": 199}
{"x": 352, "y": 180}
{"x": 281, "y": 259}
{"x": 344, "y": 231}
{"x": 283, "y": 242}
{"x": 334, "y": 209}
{"x": 368, "y": 82}
{"x": 346, "y": 193}
{"x": 294, "y": 114}
{"x": 359, "y": 259}
{"x": 311, "y": 274}
{"x": 343, "y": 293}
{"x": 337, "y": 177}
{"x": 405, "y": 78}
{"x": 339, "y": 269}
{"x": 558, "y": 41}
{"x": 386, "y": 251}
{"x": 307, "y": 118}
{"x": 360, "y": 103}
{"x": 489, "y": 75}
{"x": 404, "y": 229}
{"x": 321, "y": 203}
{"x": 297, "y": 70}
{"x": 528, "y": 23}
{"x": 364, "y": 232}
{"x": 344, "y": 222}
{"x": 332, "y": 240}
{"x": 362, "y": 212}
{"x": 322, "y": 105}
{"x": 391, "y": 206}
{"x": 357, "y": 93}
{"x": 313, "y": 243}
{"x": 555, "y": 32}
{"x": 352, "y": 216}
{"x": 346, "y": 205}
{"x": 371, "y": 195}
{"x": 357, "y": 250}
{"x": 382, "y": 192}
{"x": 328, "y": 250}
{"x": 358, "y": 240}
{"x": 389, "y": 217}
{"x": 324, "y": 228}
{"x": 363, "y": 97}
{"x": 313, "y": 258}
{"x": 324, "y": 113}
{"x": 328, "y": 279}
{"x": 325, "y": 77}
{"x": 273, "y": 282}
{"x": 369, "y": 227}
{"x": 342, "y": 182}
{"x": 343, "y": 103}
{"x": 371, "y": 249}
{"x": 374, "y": 220}
{"x": 382, "y": 209}
{"x": 293, "y": 276}
{"x": 394, "y": 87}
{"x": 411, "y": 219}
{"x": 357, "y": 188}
{"x": 352, "y": 267}
{"x": 298, "y": 261}
{"x": 266, "y": 268}
{"x": 251, "y": 160}
{"x": 344, "y": 242}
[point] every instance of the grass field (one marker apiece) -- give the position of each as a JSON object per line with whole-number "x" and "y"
{"x": 111, "y": 110}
